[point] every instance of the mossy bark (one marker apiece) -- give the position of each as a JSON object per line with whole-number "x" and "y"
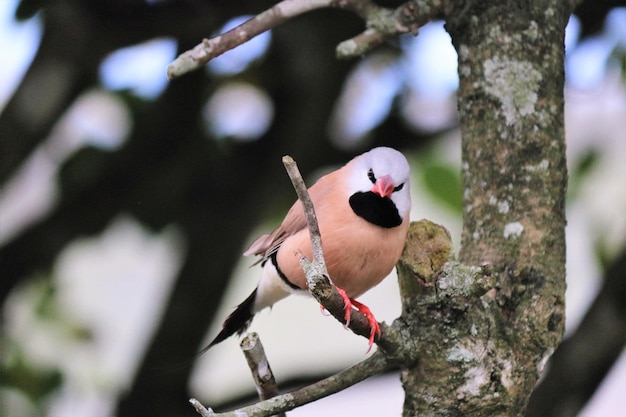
{"x": 481, "y": 353}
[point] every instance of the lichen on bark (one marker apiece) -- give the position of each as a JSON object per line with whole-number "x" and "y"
{"x": 482, "y": 353}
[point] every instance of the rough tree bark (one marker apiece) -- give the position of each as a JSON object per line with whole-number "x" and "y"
{"x": 510, "y": 99}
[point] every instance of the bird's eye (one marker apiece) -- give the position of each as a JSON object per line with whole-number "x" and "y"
{"x": 398, "y": 188}
{"x": 370, "y": 175}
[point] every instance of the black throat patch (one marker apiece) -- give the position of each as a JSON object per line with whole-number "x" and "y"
{"x": 375, "y": 209}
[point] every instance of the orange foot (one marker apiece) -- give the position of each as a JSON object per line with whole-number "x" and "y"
{"x": 362, "y": 308}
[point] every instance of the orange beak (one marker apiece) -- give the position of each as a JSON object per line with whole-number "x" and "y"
{"x": 384, "y": 186}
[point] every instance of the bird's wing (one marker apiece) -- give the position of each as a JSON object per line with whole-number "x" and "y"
{"x": 269, "y": 243}
{"x": 294, "y": 221}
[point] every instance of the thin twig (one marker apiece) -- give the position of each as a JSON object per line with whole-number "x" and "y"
{"x": 373, "y": 365}
{"x": 309, "y": 211}
{"x": 360, "y": 44}
{"x": 202, "y": 410}
{"x": 262, "y": 375}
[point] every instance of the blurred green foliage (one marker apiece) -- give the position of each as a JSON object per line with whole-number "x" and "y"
{"x": 443, "y": 181}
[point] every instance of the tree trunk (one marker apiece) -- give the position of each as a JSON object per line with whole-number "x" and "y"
{"x": 485, "y": 356}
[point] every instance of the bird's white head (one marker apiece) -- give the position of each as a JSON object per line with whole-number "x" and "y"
{"x": 379, "y": 186}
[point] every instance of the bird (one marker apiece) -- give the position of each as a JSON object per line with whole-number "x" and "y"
{"x": 363, "y": 211}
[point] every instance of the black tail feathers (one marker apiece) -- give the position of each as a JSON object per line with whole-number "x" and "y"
{"x": 237, "y": 322}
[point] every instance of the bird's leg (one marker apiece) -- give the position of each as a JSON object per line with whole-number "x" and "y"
{"x": 363, "y": 309}
{"x": 347, "y": 304}
{"x": 374, "y": 327}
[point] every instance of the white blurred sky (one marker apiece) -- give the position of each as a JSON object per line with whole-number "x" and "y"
{"x": 433, "y": 73}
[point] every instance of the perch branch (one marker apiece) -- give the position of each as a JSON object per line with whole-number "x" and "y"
{"x": 381, "y": 24}
{"x": 373, "y": 365}
{"x": 262, "y": 374}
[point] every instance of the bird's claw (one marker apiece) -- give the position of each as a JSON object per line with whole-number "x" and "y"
{"x": 347, "y": 304}
{"x": 363, "y": 309}
{"x": 371, "y": 320}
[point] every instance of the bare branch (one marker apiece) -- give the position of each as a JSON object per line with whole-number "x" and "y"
{"x": 382, "y": 24}
{"x": 259, "y": 367}
{"x": 374, "y": 365}
{"x": 211, "y": 48}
